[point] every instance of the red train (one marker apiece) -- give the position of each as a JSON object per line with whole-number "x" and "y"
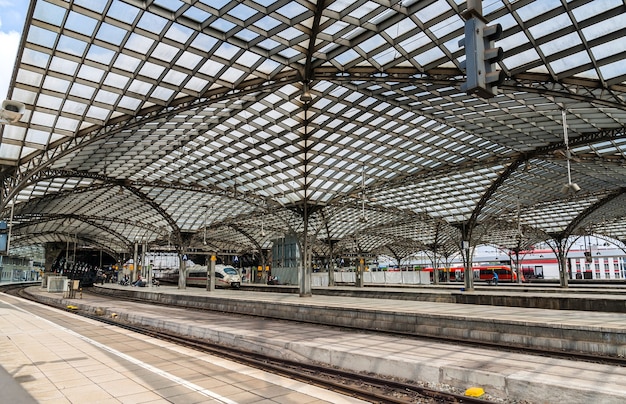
{"x": 481, "y": 272}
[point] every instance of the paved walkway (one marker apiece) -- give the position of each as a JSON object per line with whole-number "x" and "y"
{"x": 51, "y": 356}
{"x": 504, "y": 375}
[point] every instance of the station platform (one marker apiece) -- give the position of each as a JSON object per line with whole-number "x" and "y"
{"x": 481, "y": 315}
{"x": 543, "y": 295}
{"x": 53, "y": 356}
{"x": 504, "y": 375}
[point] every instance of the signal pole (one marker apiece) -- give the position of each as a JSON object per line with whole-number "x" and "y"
{"x": 481, "y": 54}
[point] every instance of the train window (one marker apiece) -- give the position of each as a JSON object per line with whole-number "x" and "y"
{"x": 219, "y": 275}
{"x": 230, "y": 271}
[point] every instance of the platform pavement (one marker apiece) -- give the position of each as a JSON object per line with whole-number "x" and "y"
{"x": 568, "y": 330}
{"x": 52, "y": 356}
{"x": 507, "y": 375}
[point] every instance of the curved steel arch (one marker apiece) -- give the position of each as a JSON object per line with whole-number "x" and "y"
{"x": 589, "y": 210}
{"x": 246, "y": 235}
{"x": 140, "y": 195}
{"x": 90, "y": 240}
{"x": 527, "y": 82}
{"x": 90, "y": 220}
{"x": 150, "y": 202}
{"x": 522, "y": 158}
{"x": 124, "y": 184}
{"x": 39, "y": 162}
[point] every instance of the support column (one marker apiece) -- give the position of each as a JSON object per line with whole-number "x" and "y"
{"x": 134, "y": 274}
{"x": 254, "y": 271}
{"x": 305, "y": 273}
{"x": 210, "y": 273}
{"x": 145, "y": 265}
{"x": 305, "y": 260}
{"x": 467, "y": 260}
{"x": 331, "y": 264}
{"x": 52, "y": 251}
{"x": 517, "y": 265}
{"x": 563, "y": 272}
{"x": 182, "y": 270}
{"x": 359, "y": 272}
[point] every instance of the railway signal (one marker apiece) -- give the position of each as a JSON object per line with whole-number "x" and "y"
{"x": 481, "y": 58}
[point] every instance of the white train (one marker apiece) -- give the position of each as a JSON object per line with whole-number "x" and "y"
{"x": 225, "y": 276}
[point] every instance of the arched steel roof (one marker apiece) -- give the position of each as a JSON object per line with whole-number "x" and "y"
{"x": 184, "y": 122}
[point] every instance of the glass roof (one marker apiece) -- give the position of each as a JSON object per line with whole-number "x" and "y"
{"x": 212, "y": 124}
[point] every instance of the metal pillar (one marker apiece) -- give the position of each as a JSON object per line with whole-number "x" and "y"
{"x": 359, "y": 272}
{"x": 517, "y": 266}
{"x": 182, "y": 270}
{"x": 469, "y": 273}
{"x": 305, "y": 260}
{"x": 145, "y": 265}
{"x": 563, "y": 273}
{"x": 134, "y": 274}
{"x": 210, "y": 273}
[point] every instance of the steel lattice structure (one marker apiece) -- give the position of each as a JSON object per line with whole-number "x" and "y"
{"x": 228, "y": 122}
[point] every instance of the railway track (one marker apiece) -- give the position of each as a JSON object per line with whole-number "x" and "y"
{"x": 365, "y": 387}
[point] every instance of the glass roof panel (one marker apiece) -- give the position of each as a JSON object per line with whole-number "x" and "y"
{"x": 49, "y": 13}
{"x": 593, "y": 8}
{"x": 607, "y": 50}
{"x": 81, "y": 23}
{"x": 152, "y": 23}
{"x": 242, "y": 12}
{"x": 99, "y": 54}
{"x": 613, "y": 70}
{"x": 566, "y": 63}
{"x": 88, "y": 4}
{"x": 41, "y": 36}
{"x": 562, "y": 43}
{"x": 537, "y": 8}
{"x": 123, "y": 12}
{"x": 197, "y": 14}
{"x": 111, "y": 34}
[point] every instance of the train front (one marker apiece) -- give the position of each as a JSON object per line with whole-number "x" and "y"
{"x": 231, "y": 277}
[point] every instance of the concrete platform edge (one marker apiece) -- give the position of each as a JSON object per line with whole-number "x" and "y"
{"x": 601, "y": 341}
{"x": 531, "y": 389}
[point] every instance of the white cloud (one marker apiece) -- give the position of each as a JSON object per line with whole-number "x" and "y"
{"x": 10, "y": 42}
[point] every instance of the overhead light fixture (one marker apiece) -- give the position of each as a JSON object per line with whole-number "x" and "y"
{"x": 570, "y": 187}
{"x": 11, "y": 112}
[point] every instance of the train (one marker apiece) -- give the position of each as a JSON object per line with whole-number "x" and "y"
{"x": 481, "y": 272}
{"x": 226, "y": 276}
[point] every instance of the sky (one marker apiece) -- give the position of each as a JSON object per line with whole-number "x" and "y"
{"x": 12, "y": 16}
